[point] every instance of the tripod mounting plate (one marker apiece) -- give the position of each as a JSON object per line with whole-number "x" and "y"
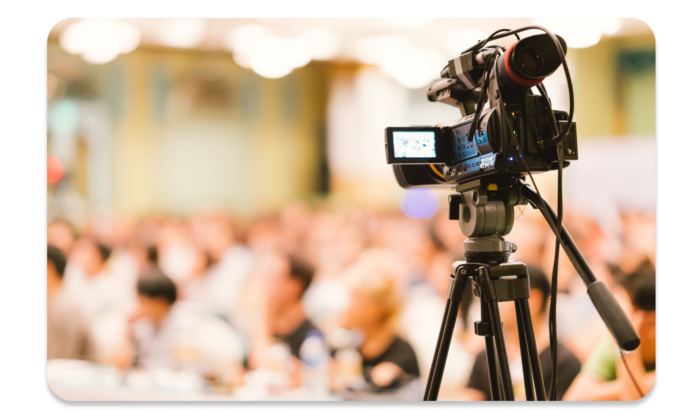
{"x": 493, "y": 243}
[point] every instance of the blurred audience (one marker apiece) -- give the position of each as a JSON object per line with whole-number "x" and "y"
{"x": 61, "y": 235}
{"x": 259, "y": 306}
{"x": 284, "y": 319}
{"x": 172, "y": 336}
{"x": 604, "y": 375}
{"x": 155, "y": 326}
{"x": 90, "y": 278}
{"x": 388, "y": 361}
{"x": 424, "y": 307}
{"x": 68, "y": 331}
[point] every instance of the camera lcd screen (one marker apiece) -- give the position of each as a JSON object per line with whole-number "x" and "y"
{"x": 415, "y": 144}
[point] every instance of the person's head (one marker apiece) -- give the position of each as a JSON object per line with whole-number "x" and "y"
{"x": 152, "y": 255}
{"x": 56, "y": 265}
{"x": 288, "y": 281}
{"x": 641, "y": 286}
{"x": 92, "y": 256}
{"x": 540, "y": 290}
{"x": 156, "y": 295}
{"x": 61, "y": 235}
{"x": 375, "y": 300}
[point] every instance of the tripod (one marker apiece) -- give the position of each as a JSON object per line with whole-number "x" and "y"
{"x": 485, "y": 211}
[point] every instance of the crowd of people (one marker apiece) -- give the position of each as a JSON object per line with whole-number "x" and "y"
{"x": 335, "y": 304}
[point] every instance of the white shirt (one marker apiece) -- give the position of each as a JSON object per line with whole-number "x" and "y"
{"x": 188, "y": 339}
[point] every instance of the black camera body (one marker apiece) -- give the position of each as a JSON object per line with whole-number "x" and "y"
{"x": 446, "y": 155}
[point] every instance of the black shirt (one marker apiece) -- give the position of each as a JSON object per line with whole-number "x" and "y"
{"x": 399, "y": 353}
{"x": 568, "y": 367}
{"x": 296, "y": 338}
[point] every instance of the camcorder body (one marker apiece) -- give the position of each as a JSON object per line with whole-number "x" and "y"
{"x": 512, "y": 135}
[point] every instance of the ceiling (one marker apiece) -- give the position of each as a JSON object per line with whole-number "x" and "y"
{"x": 216, "y": 31}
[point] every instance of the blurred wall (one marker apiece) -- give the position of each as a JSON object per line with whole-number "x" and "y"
{"x": 184, "y": 130}
{"x": 175, "y": 131}
{"x": 615, "y": 87}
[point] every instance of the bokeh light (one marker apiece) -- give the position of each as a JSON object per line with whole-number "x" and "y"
{"x": 64, "y": 117}
{"x": 420, "y": 203}
{"x": 99, "y": 41}
{"x": 182, "y": 33}
{"x": 54, "y": 170}
{"x": 325, "y": 44}
{"x": 269, "y": 58}
{"x": 242, "y": 39}
{"x": 297, "y": 51}
{"x": 412, "y": 67}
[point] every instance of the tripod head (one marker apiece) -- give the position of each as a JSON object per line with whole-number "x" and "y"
{"x": 486, "y": 206}
{"x": 485, "y": 210}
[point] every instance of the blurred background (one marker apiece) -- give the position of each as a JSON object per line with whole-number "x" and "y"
{"x": 231, "y": 230}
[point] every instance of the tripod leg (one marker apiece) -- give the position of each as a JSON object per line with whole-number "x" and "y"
{"x": 525, "y": 358}
{"x": 494, "y": 377}
{"x": 437, "y": 351}
{"x": 523, "y": 308}
{"x": 488, "y": 294}
{"x": 503, "y": 367}
{"x": 441, "y": 350}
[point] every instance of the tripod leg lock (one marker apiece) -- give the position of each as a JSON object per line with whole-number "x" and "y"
{"x": 483, "y": 329}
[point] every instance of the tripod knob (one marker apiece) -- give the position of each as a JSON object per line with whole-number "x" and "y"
{"x": 454, "y": 200}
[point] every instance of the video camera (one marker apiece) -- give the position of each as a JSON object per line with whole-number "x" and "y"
{"x": 506, "y": 132}
{"x": 516, "y": 133}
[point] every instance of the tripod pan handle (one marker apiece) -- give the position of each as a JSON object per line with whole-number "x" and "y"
{"x": 613, "y": 316}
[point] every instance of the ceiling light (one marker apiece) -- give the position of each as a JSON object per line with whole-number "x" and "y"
{"x": 268, "y": 58}
{"x": 99, "y": 41}
{"x": 325, "y": 44}
{"x": 182, "y": 33}
{"x": 243, "y": 38}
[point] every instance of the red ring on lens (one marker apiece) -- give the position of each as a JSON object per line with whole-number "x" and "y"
{"x": 517, "y": 79}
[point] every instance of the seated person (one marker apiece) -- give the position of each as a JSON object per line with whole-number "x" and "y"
{"x": 388, "y": 361}
{"x": 97, "y": 288}
{"x": 604, "y": 376}
{"x": 68, "y": 330}
{"x": 153, "y": 326}
{"x": 568, "y": 366}
{"x": 171, "y": 335}
{"x": 283, "y": 319}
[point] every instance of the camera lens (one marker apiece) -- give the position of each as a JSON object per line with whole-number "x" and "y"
{"x": 530, "y": 61}
{"x": 527, "y": 62}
